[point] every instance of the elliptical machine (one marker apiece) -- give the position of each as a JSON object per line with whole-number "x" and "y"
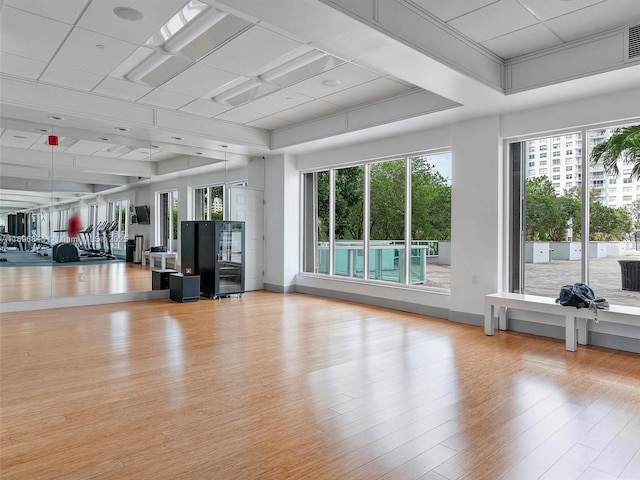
{"x": 104, "y": 234}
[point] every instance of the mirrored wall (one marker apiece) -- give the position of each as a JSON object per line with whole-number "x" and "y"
{"x": 68, "y": 216}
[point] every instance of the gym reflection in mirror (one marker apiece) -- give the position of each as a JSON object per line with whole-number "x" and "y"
{"x": 68, "y": 230}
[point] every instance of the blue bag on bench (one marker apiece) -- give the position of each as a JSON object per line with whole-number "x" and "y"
{"x": 581, "y": 295}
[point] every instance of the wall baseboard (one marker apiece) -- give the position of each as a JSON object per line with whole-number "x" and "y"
{"x": 270, "y": 287}
{"x": 376, "y": 301}
{"x": 82, "y": 301}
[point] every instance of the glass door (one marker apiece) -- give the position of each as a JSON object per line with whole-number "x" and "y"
{"x": 230, "y": 258}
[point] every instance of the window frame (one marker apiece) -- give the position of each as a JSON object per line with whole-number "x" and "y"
{"x": 514, "y": 259}
{"x": 308, "y": 230}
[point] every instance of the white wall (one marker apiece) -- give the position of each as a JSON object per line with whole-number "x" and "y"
{"x": 282, "y": 222}
{"x": 475, "y": 239}
{"x": 616, "y": 107}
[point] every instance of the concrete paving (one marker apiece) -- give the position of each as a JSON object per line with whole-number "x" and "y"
{"x": 547, "y": 278}
{"x": 605, "y": 278}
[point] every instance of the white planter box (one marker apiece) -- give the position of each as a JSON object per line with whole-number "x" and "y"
{"x": 444, "y": 253}
{"x": 616, "y": 249}
{"x": 536, "y": 252}
{"x": 566, "y": 250}
{"x": 597, "y": 249}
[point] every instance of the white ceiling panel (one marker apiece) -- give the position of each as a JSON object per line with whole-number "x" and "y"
{"x": 198, "y": 80}
{"x": 494, "y": 20}
{"x": 30, "y": 35}
{"x": 45, "y": 147}
{"x": 99, "y": 17}
{"x": 21, "y": 66}
{"x": 93, "y": 52}
{"x": 269, "y": 123}
{"x": 137, "y": 154}
{"x": 250, "y": 51}
{"x": 205, "y": 108}
{"x": 448, "y": 9}
{"x": 520, "y": 42}
{"x": 596, "y": 18}
{"x": 85, "y": 147}
{"x": 166, "y": 99}
{"x": 114, "y": 87}
{"x": 545, "y": 9}
{"x": 240, "y": 115}
{"x": 66, "y": 11}
{"x": 306, "y": 111}
{"x": 68, "y": 76}
{"x": 277, "y": 102}
{"x": 18, "y": 139}
{"x": 378, "y": 88}
{"x": 348, "y": 75}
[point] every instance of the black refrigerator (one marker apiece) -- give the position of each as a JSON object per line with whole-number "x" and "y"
{"x": 215, "y": 251}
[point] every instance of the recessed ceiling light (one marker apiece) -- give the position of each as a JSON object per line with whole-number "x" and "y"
{"x": 100, "y": 46}
{"x": 331, "y": 83}
{"x": 122, "y": 129}
{"x": 199, "y": 153}
{"x": 223, "y": 146}
{"x": 157, "y": 147}
{"x": 42, "y": 130}
{"x": 21, "y": 137}
{"x": 128, "y": 13}
{"x": 103, "y": 139}
{"x": 179, "y": 139}
{"x": 55, "y": 117}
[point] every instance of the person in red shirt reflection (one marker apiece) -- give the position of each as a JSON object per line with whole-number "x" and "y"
{"x": 73, "y": 227}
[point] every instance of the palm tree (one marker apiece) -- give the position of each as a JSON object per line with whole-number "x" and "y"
{"x": 624, "y": 144}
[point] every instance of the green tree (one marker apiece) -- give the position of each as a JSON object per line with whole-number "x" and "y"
{"x": 607, "y": 223}
{"x": 322, "y": 186}
{"x": 623, "y": 144}
{"x": 547, "y": 214}
{"x": 175, "y": 222}
{"x": 543, "y": 214}
{"x": 430, "y": 202}
{"x": 634, "y": 210}
{"x": 387, "y": 187}
{"x": 349, "y": 203}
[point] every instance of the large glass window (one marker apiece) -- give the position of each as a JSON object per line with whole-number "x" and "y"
{"x": 168, "y": 219}
{"x": 387, "y": 220}
{"x": 349, "y": 222}
{"x": 209, "y": 203}
{"x": 117, "y": 225}
{"x": 383, "y": 220}
{"x": 431, "y": 220}
{"x": 557, "y": 245}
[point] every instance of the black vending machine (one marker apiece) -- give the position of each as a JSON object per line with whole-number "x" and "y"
{"x": 215, "y": 251}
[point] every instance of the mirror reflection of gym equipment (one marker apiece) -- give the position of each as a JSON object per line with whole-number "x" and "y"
{"x": 83, "y": 248}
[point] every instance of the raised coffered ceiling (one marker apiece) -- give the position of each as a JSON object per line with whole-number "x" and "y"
{"x": 262, "y": 75}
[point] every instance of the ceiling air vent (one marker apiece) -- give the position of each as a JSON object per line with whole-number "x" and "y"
{"x": 634, "y": 42}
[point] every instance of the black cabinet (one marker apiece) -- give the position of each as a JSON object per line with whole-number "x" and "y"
{"x": 184, "y": 288}
{"x": 188, "y": 261}
{"x": 160, "y": 279}
{"x": 214, "y": 250}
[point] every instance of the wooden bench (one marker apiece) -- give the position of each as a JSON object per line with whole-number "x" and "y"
{"x": 576, "y": 319}
{"x": 151, "y": 256}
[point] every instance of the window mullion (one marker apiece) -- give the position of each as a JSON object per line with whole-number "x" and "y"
{"x": 332, "y": 220}
{"x": 366, "y": 220}
{"x": 585, "y": 207}
{"x": 407, "y": 221}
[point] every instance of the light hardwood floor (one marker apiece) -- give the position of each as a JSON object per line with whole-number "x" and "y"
{"x": 272, "y": 386}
